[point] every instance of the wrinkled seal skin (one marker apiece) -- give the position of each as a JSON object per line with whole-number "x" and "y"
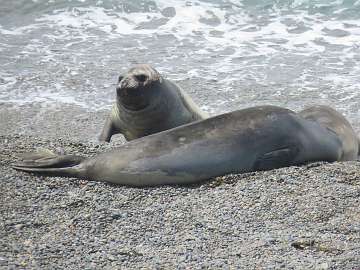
{"x": 146, "y": 103}
{"x": 258, "y": 138}
{"x": 334, "y": 121}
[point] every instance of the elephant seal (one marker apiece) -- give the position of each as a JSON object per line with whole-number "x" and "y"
{"x": 258, "y": 138}
{"x": 146, "y": 103}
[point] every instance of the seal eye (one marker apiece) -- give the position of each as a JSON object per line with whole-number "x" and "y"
{"x": 141, "y": 77}
{"x": 120, "y": 78}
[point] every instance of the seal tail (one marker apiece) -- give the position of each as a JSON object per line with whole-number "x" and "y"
{"x": 47, "y": 162}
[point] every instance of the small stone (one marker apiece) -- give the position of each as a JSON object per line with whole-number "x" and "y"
{"x": 19, "y": 226}
{"x": 322, "y": 266}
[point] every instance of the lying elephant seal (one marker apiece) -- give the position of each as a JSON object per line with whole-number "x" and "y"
{"x": 258, "y": 138}
{"x": 146, "y": 103}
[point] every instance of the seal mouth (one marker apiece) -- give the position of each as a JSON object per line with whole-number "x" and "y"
{"x": 134, "y": 100}
{"x": 136, "y": 88}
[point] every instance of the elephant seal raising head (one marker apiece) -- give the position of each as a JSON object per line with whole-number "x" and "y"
{"x": 146, "y": 103}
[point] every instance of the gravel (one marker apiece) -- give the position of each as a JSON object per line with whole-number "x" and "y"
{"x": 304, "y": 217}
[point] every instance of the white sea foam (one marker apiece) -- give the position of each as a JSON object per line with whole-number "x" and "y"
{"x": 262, "y": 46}
{"x": 44, "y": 97}
{"x": 187, "y": 24}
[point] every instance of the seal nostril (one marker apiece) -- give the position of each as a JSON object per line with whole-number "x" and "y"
{"x": 140, "y": 77}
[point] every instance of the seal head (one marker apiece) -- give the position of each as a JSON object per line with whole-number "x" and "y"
{"x": 137, "y": 88}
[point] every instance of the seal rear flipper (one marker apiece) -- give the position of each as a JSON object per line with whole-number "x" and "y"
{"x": 56, "y": 162}
{"x": 67, "y": 171}
{"x": 276, "y": 159}
{"x": 49, "y": 163}
{"x": 41, "y": 153}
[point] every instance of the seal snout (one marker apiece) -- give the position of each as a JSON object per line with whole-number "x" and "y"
{"x": 138, "y": 77}
{"x": 134, "y": 81}
{"x": 138, "y": 87}
{"x": 141, "y": 78}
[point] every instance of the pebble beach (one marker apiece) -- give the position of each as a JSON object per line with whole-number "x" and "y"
{"x": 304, "y": 217}
{"x": 60, "y": 61}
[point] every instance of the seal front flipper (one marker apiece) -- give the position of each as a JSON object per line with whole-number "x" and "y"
{"x": 276, "y": 159}
{"x": 108, "y": 130}
{"x": 50, "y": 163}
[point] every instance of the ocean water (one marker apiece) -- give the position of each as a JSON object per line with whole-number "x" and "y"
{"x": 227, "y": 54}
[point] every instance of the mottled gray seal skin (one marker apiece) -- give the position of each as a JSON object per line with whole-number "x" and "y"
{"x": 337, "y": 123}
{"x": 146, "y": 103}
{"x": 253, "y": 139}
